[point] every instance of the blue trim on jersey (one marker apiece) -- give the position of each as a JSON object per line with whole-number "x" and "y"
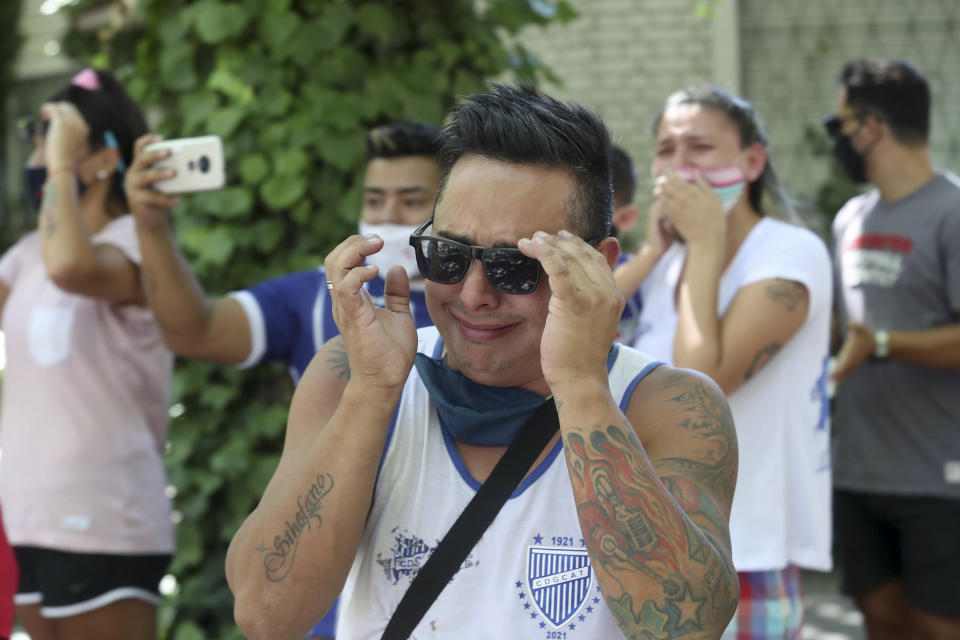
{"x": 625, "y": 400}
{"x": 474, "y": 484}
{"x": 612, "y": 357}
{"x": 386, "y": 445}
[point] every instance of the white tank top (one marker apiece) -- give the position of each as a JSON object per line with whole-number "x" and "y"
{"x": 528, "y": 577}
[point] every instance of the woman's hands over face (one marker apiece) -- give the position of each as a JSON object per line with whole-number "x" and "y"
{"x": 694, "y": 210}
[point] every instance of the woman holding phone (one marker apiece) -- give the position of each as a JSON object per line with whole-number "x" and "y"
{"x": 730, "y": 291}
{"x": 84, "y": 412}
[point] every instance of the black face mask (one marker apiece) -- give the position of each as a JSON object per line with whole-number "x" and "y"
{"x": 851, "y": 160}
{"x": 36, "y": 178}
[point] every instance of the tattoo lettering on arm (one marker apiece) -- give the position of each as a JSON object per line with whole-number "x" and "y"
{"x": 636, "y": 534}
{"x": 279, "y": 560}
{"x": 46, "y": 210}
{"x": 338, "y": 360}
{"x": 762, "y": 357}
{"x": 786, "y": 293}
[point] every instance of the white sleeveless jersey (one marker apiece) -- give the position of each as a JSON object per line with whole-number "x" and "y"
{"x": 529, "y": 576}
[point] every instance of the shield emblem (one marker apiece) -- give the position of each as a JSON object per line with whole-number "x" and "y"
{"x": 559, "y": 580}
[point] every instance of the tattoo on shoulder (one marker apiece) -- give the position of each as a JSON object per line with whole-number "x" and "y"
{"x": 279, "y": 560}
{"x": 337, "y": 359}
{"x": 762, "y": 357}
{"x": 786, "y": 293}
{"x": 705, "y": 412}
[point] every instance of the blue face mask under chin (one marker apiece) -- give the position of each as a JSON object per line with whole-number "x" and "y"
{"x": 474, "y": 413}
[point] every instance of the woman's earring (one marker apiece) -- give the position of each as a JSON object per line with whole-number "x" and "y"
{"x": 102, "y": 174}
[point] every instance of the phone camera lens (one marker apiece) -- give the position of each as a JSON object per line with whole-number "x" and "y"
{"x": 204, "y": 164}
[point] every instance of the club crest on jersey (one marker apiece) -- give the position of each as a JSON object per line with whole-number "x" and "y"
{"x": 559, "y": 581}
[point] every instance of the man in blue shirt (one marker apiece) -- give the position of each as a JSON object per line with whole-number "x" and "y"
{"x": 286, "y": 318}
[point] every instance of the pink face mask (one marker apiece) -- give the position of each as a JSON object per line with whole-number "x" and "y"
{"x": 727, "y": 183}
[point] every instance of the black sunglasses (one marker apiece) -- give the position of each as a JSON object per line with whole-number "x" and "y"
{"x": 834, "y": 123}
{"x": 447, "y": 261}
{"x": 28, "y": 127}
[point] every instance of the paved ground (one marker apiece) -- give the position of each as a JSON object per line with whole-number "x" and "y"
{"x": 828, "y": 615}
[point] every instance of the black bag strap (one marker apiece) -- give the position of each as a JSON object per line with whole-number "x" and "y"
{"x": 473, "y": 522}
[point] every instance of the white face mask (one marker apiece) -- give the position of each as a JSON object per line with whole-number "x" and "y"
{"x": 396, "y": 248}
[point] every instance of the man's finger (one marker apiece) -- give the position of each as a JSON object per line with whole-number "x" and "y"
{"x": 350, "y": 254}
{"x": 396, "y": 290}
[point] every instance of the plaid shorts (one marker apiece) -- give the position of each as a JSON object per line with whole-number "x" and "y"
{"x": 770, "y": 608}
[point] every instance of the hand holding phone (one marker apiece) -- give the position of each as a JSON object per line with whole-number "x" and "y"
{"x": 198, "y": 163}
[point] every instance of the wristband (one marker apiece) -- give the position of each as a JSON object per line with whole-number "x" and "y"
{"x": 881, "y": 349}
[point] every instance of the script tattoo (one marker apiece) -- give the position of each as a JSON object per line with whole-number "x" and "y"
{"x": 279, "y": 561}
{"x": 762, "y": 357}
{"x": 46, "y": 210}
{"x": 787, "y": 293}
{"x": 636, "y": 534}
{"x": 338, "y": 360}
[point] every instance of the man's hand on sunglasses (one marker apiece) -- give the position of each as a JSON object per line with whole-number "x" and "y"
{"x": 584, "y": 308}
{"x": 381, "y": 342}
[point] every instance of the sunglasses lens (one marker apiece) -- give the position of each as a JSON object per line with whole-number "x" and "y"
{"x": 509, "y": 271}
{"x": 441, "y": 260}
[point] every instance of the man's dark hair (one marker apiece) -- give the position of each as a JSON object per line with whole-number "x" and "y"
{"x": 892, "y": 90}
{"x": 402, "y": 139}
{"x": 519, "y": 125}
{"x": 744, "y": 117}
{"x": 108, "y": 108}
{"x": 623, "y": 176}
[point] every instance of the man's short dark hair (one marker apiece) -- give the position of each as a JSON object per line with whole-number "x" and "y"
{"x": 402, "y": 139}
{"x": 623, "y": 176}
{"x": 892, "y": 90}
{"x": 521, "y": 126}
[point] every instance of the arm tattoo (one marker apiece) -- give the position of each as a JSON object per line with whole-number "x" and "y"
{"x": 338, "y": 360}
{"x": 636, "y": 534}
{"x": 762, "y": 357}
{"x": 786, "y": 293}
{"x": 279, "y": 561}
{"x": 46, "y": 210}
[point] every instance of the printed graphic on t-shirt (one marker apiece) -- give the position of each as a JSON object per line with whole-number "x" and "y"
{"x": 820, "y": 394}
{"x": 875, "y": 259}
{"x": 408, "y": 555}
{"x": 558, "y": 591}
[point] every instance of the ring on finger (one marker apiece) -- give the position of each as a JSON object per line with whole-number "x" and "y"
{"x": 329, "y": 286}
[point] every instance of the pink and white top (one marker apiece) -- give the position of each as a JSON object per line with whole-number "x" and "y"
{"x": 84, "y": 412}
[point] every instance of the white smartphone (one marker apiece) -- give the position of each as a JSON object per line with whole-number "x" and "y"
{"x": 197, "y": 161}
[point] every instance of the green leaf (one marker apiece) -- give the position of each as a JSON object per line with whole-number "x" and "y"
{"x": 253, "y": 168}
{"x": 267, "y": 235}
{"x": 212, "y": 245}
{"x": 276, "y": 28}
{"x": 189, "y": 631}
{"x": 224, "y": 121}
{"x": 290, "y": 161}
{"x": 177, "y": 66}
{"x": 280, "y": 192}
{"x": 375, "y": 20}
{"x": 196, "y": 109}
{"x": 231, "y": 86}
{"x": 217, "y": 21}
{"x": 189, "y": 545}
